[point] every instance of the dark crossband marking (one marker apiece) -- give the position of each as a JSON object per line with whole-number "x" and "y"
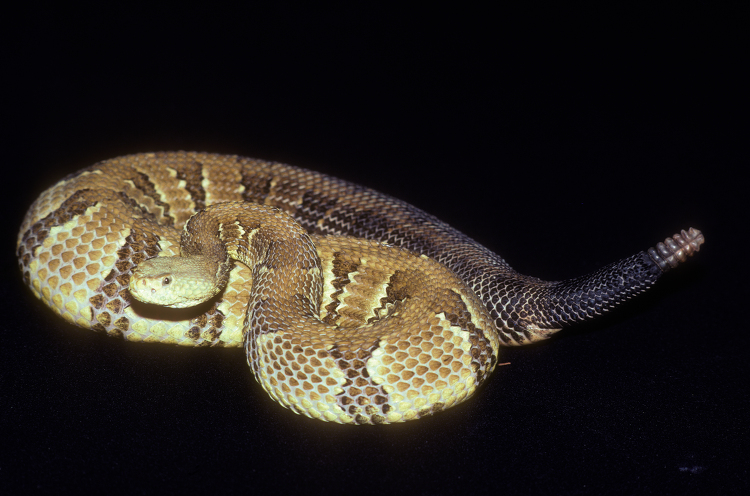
{"x": 142, "y": 183}
{"x": 341, "y": 269}
{"x": 256, "y": 186}
{"x": 192, "y": 174}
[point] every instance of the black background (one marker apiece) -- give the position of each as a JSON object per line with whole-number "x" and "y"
{"x": 563, "y": 138}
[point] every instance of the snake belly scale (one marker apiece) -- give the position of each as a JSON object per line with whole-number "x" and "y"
{"x": 352, "y": 306}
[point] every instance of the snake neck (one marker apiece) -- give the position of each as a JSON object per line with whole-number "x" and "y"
{"x": 229, "y": 232}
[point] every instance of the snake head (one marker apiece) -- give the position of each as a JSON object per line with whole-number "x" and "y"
{"x": 175, "y": 282}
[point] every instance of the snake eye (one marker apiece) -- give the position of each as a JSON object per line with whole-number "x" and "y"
{"x": 166, "y": 281}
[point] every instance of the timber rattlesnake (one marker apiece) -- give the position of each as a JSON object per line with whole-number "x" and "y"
{"x": 365, "y": 332}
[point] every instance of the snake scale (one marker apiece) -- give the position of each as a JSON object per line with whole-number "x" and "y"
{"x": 352, "y": 306}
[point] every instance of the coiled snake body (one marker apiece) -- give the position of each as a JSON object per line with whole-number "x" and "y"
{"x": 352, "y": 306}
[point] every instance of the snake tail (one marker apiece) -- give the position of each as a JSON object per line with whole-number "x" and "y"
{"x": 559, "y": 304}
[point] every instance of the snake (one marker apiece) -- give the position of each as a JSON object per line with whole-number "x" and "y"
{"x": 352, "y": 306}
